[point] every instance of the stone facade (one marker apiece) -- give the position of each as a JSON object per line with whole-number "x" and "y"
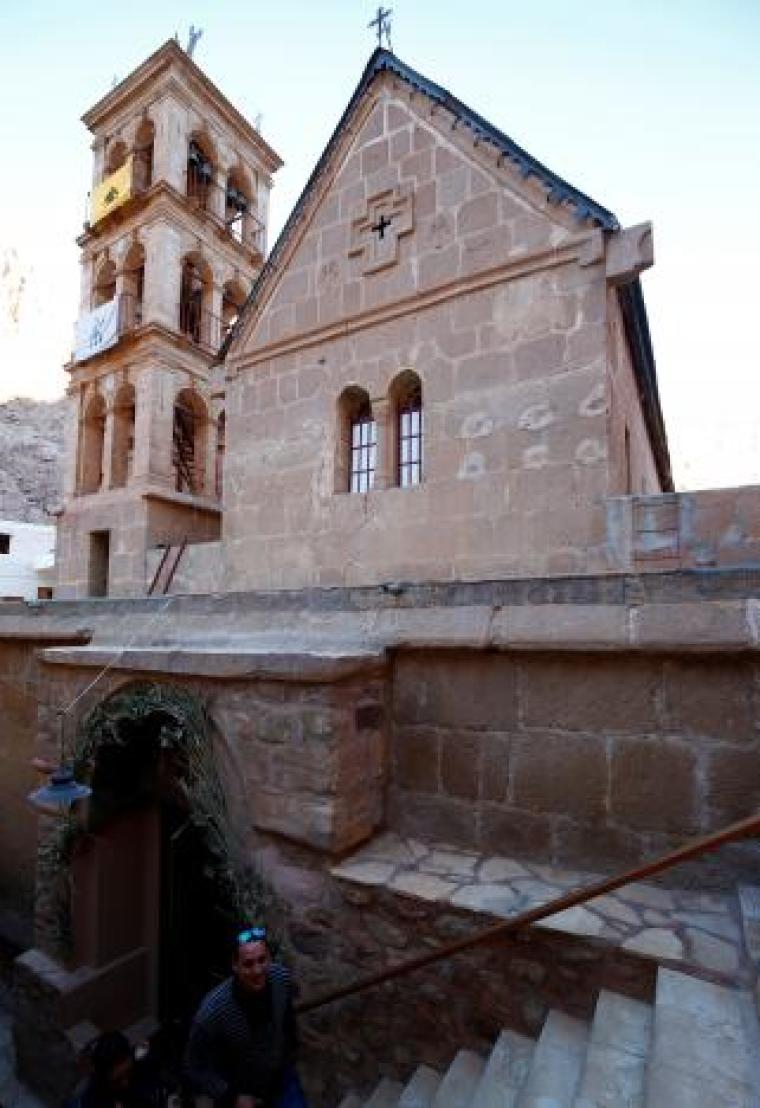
{"x": 504, "y": 308}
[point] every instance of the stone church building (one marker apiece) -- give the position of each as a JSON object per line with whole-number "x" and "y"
{"x": 377, "y": 615}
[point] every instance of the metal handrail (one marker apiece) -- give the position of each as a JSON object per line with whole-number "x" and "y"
{"x": 159, "y": 570}
{"x": 743, "y": 829}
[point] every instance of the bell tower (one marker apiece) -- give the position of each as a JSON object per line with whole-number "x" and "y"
{"x": 176, "y": 233}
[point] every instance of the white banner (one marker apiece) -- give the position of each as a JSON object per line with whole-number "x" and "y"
{"x": 97, "y": 330}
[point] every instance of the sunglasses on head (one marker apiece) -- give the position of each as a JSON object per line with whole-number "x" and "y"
{"x": 251, "y": 935}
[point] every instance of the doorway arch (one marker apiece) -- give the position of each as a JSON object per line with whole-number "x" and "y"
{"x": 161, "y": 876}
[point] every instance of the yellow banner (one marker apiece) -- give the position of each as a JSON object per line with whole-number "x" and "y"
{"x": 112, "y": 192}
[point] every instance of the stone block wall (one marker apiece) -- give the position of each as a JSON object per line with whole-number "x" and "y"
{"x": 497, "y": 302}
{"x": 582, "y": 759}
{"x": 687, "y": 530}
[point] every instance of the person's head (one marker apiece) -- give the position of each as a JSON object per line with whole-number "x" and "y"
{"x": 112, "y": 1060}
{"x": 251, "y": 959}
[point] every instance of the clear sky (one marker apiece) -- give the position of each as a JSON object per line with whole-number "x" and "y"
{"x": 652, "y": 107}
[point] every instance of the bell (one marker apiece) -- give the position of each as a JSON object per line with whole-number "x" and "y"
{"x": 61, "y": 792}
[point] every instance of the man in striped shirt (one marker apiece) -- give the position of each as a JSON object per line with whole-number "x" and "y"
{"x": 242, "y": 1045}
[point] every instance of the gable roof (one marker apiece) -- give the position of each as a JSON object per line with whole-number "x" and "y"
{"x": 558, "y": 191}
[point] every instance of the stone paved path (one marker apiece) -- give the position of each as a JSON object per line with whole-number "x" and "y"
{"x": 697, "y": 929}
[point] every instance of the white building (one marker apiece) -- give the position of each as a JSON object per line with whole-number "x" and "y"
{"x": 27, "y": 555}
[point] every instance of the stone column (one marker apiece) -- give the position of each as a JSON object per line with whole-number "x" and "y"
{"x": 154, "y": 419}
{"x": 217, "y": 199}
{"x": 264, "y": 185}
{"x": 209, "y": 462}
{"x": 381, "y": 411}
{"x": 71, "y": 434}
{"x": 108, "y": 443}
{"x": 163, "y": 275}
{"x": 169, "y": 143}
{"x": 215, "y": 308}
{"x": 85, "y": 285}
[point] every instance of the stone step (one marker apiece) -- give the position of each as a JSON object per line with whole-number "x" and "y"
{"x": 386, "y": 1095}
{"x": 699, "y": 1053}
{"x": 505, "y": 1073}
{"x": 420, "y": 1090}
{"x": 557, "y": 1062}
{"x": 460, "y": 1081}
{"x": 614, "y": 1073}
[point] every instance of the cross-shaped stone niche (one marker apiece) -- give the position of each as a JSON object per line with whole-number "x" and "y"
{"x": 378, "y": 225}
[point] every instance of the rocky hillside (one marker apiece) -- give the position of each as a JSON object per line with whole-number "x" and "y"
{"x": 31, "y": 455}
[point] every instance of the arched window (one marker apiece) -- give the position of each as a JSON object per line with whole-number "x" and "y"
{"x": 91, "y": 445}
{"x": 233, "y": 299}
{"x": 142, "y": 164}
{"x": 105, "y": 285}
{"x": 221, "y": 442}
{"x": 116, "y": 155}
{"x": 123, "y": 446}
{"x": 407, "y": 429}
{"x": 237, "y": 206}
{"x": 189, "y": 442}
{"x": 131, "y": 300}
{"x": 200, "y": 172}
{"x": 195, "y": 291}
{"x": 356, "y": 447}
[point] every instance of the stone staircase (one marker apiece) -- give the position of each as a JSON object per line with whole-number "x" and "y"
{"x": 695, "y": 1047}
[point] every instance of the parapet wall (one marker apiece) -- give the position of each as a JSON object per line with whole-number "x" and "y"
{"x": 686, "y": 530}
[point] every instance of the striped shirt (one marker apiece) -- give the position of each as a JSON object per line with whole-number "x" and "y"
{"x": 240, "y": 1042}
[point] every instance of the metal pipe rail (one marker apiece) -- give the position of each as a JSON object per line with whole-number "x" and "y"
{"x": 745, "y": 828}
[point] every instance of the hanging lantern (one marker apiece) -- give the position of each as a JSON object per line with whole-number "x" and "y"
{"x": 62, "y": 791}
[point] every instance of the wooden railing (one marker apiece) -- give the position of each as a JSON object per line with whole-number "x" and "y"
{"x": 744, "y": 829}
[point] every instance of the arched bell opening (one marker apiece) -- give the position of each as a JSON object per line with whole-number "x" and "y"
{"x": 142, "y": 163}
{"x": 123, "y": 443}
{"x": 91, "y": 440}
